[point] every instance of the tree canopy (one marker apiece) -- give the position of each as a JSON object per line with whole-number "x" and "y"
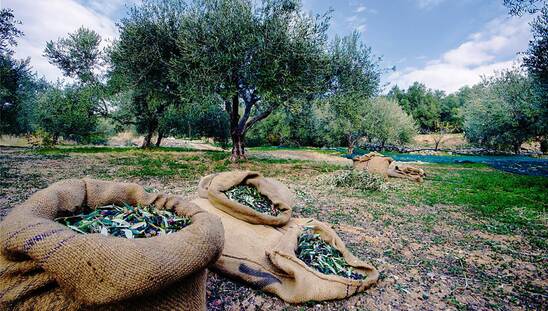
{"x": 255, "y": 57}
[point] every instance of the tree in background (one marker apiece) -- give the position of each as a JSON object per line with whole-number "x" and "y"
{"x": 519, "y": 7}
{"x": 8, "y": 31}
{"x": 72, "y": 110}
{"x": 254, "y": 57}
{"x": 536, "y": 59}
{"x": 197, "y": 120}
{"x": 141, "y": 60}
{"x": 536, "y": 62}
{"x": 502, "y": 114}
{"x": 17, "y": 83}
{"x": 78, "y": 56}
{"x": 385, "y": 122}
{"x": 354, "y": 78}
{"x": 66, "y": 111}
{"x": 421, "y": 103}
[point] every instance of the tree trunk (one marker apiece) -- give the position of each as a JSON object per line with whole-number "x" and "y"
{"x": 147, "y": 140}
{"x": 543, "y": 145}
{"x": 159, "y": 140}
{"x": 517, "y": 148}
{"x": 55, "y": 139}
{"x": 238, "y": 151}
{"x": 437, "y": 144}
{"x": 351, "y": 144}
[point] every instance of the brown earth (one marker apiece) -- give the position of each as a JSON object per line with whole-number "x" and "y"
{"x": 430, "y": 257}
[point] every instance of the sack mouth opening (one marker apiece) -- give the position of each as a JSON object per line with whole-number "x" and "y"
{"x": 86, "y": 209}
{"x": 363, "y": 271}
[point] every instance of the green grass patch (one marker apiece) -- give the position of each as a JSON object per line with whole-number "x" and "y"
{"x": 105, "y": 149}
{"x": 512, "y": 201}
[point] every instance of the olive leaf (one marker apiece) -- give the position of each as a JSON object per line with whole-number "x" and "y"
{"x": 251, "y": 197}
{"x": 126, "y": 221}
{"x": 322, "y": 256}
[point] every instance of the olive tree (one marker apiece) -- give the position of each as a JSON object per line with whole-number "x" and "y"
{"x": 253, "y": 56}
{"x": 502, "y": 113}
{"x": 66, "y": 111}
{"x": 140, "y": 61}
{"x": 78, "y": 56}
{"x": 384, "y": 121}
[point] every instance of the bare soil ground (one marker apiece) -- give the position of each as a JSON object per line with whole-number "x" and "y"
{"x": 303, "y": 155}
{"x": 431, "y": 256}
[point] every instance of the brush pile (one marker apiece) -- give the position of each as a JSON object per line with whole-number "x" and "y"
{"x": 251, "y": 197}
{"x": 126, "y": 221}
{"x": 361, "y": 180}
{"x": 323, "y": 257}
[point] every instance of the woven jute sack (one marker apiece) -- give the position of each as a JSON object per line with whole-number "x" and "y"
{"x": 373, "y": 162}
{"x": 47, "y": 266}
{"x": 399, "y": 170}
{"x": 212, "y": 187}
{"x": 264, "y": 256}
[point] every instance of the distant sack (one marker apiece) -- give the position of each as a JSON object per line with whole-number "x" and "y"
{"x": 45, "y": 265}
{"x": 248, "y": 196}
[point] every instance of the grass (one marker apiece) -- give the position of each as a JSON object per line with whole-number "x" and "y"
{"x": 105, "y": 149}
{"x": 505, "y": 202}
{"x": 439, "y": 231}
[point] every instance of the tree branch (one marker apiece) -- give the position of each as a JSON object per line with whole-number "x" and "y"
{"x": 261, "y": 116}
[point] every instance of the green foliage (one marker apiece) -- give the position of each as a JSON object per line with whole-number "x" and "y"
{"x": 78, "y": 56}
{"x": 501, "y": 113}
{"x": 421, "y": 103}
{"x": 355, "y": 179}
{"x": 352, "y": 67}
{"x": 141, "y": 60}
{"x": 354, "y": 78}
{"x": 8, "y": 31}
{"x": 18, "y": 85}
{"x": 66, "y": 112}
{"x": 16, "y": 89}
{"x": 384, "y": 121}
{"x": 126, "y": 221}
{"x": 204, "y": 119}
{"x": 518, "y": 7}
{"x": 322, "y": 256}
{"x": 254, "y": 57}
{"x": 295, "y": 125}
{"x": 251, "y": 197}
{"x": 536, "y": 62}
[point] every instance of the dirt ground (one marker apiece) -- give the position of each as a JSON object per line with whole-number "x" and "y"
{"x": 303, "y": 155}
{"x": 431, "y": 257}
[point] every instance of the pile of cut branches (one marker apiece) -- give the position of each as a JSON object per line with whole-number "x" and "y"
{"x": 323, "y": 257}
{"x": 126, "y": 221}
{"x": 354, "y": 179}
{"x": 251, "y": 197}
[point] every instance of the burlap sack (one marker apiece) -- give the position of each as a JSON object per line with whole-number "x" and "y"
{"x": 399, "y": 170}
{"x": 47, "y": 266}
{"x": 264, "y": 257}
{"x": 212, "y": 187}
{"x": 373, "y": 162}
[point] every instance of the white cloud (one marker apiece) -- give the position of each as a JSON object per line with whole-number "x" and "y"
{"x": 357, "y": 23}
{"x": 361, "y": 27}
{"x": 43, "y": 21}
{"x": 427, "y": 4}
{"x": 360, "y": 8}
{"x": 492, "y": 49}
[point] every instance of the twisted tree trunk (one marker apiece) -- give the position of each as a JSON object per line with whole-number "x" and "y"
{"x": 159, "y": 139}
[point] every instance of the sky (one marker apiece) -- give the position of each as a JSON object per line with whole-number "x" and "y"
{"x": 445, "y": 44}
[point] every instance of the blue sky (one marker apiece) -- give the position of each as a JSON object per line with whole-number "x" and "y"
{"x": 445, "y": 44}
